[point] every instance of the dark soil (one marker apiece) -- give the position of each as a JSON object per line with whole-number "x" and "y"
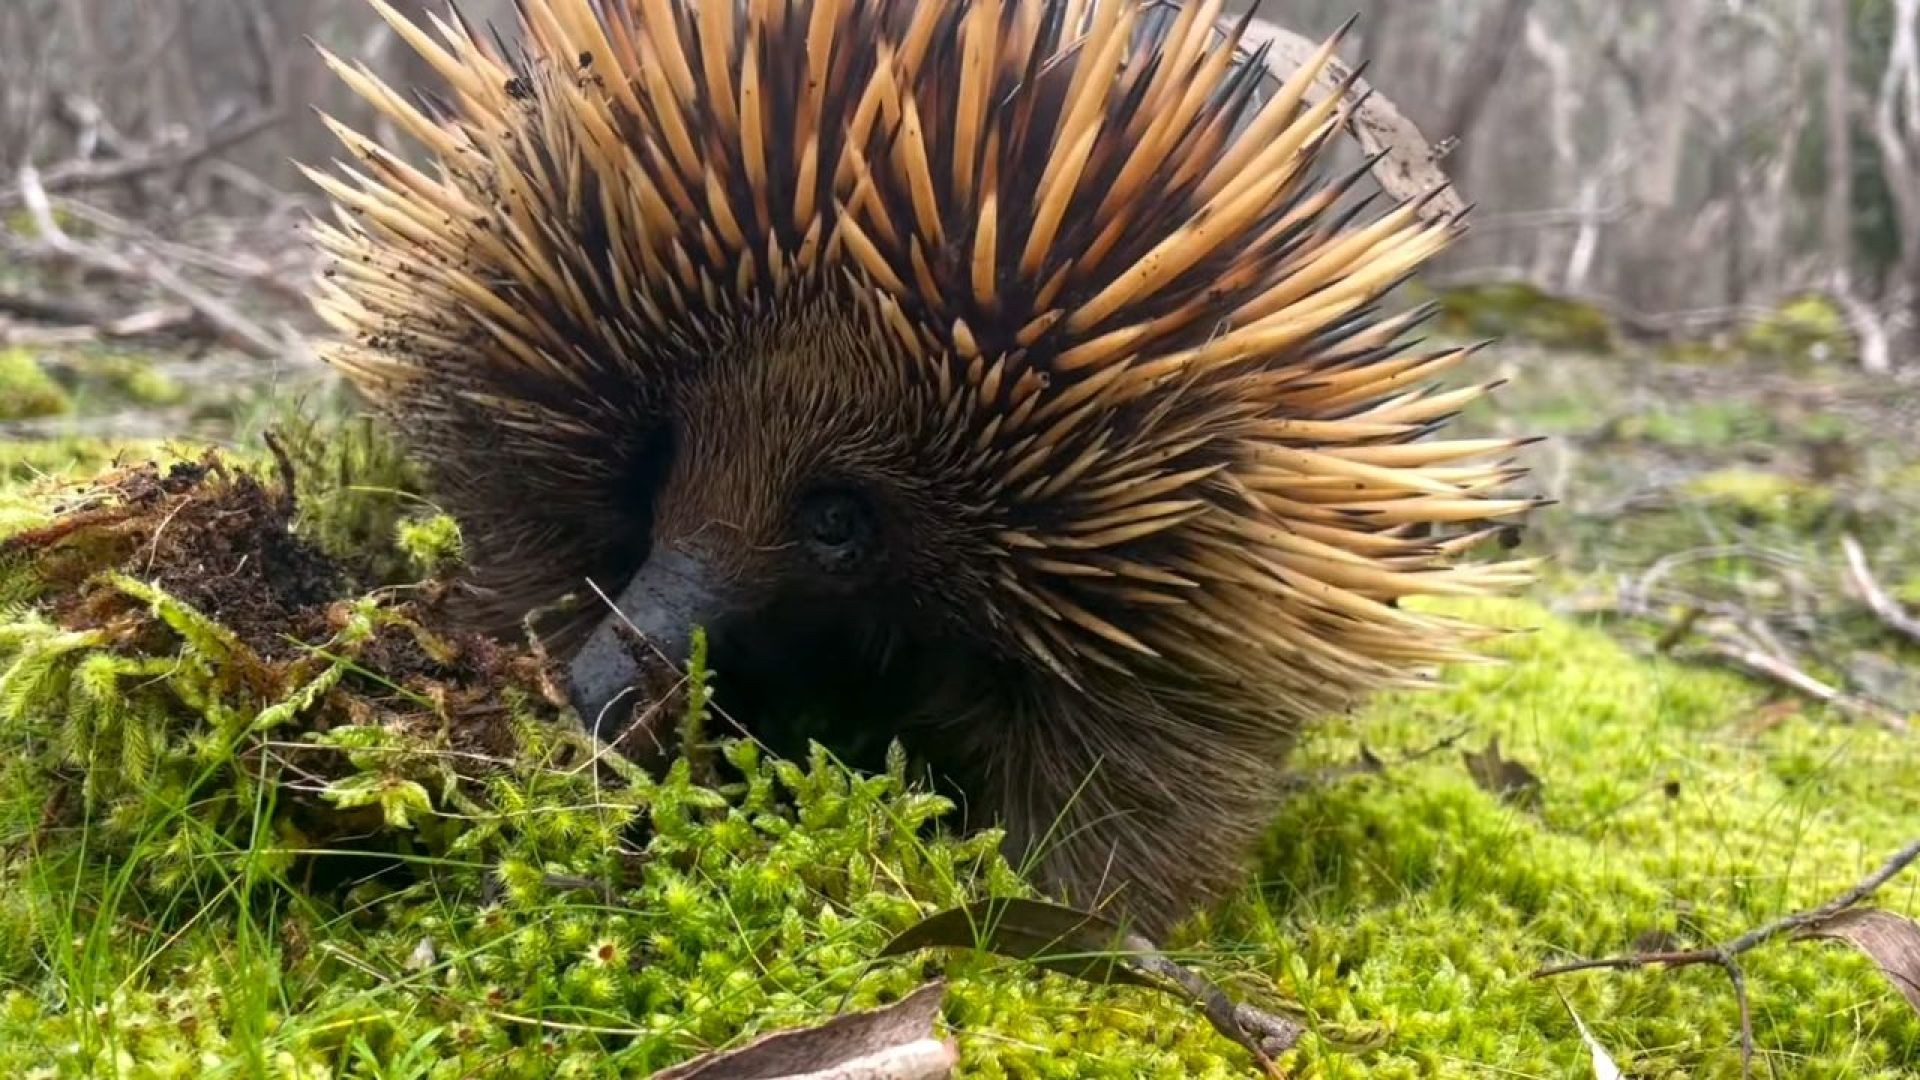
{"x": 222, "y": 541}
{"x": 213, "y": 537}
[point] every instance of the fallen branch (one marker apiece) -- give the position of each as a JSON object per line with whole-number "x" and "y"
{"x": 1734, "y": 637}
{"x": 1884, "y": 606}
{"x": 162, "y": 156}
{"x": 248, "y": 269}
{"x": 141, "y": 324}
{"x": 1766, "y": 664}
{"x": 231, "y": 327}
{"x": 1726, "y": 954}
{"x": 1404, "y": 162}
{"x": 45, "y": 309}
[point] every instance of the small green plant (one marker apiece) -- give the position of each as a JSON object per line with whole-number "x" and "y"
{"x": 431, "y": 543}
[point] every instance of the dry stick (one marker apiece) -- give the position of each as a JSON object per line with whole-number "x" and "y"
{"x": 1764, "y": 664}
{"x": 235, "y": 329}
{"x": 1726, "y": 954}
{"x": 75, "y": 175}
{"x": 1737, "y": 639}
{"x": 46, "y": 309}
{"x": 1889, "y": 610}
{"x": 149, "y": 322}
{"x": 243, "y": 268}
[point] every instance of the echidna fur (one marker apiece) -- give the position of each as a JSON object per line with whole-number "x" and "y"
{"x": 994, "y": 376}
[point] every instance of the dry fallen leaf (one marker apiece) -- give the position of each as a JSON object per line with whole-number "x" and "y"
{"x": 1893, "y": 941}
{"x": 896, "y": 1042}
{"x": 1513, "y": 782}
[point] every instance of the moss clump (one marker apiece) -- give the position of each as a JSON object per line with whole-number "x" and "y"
{"x": 133, "y": 380}
{"x": 432, "y": 544}
{"x": 1754, "y": 497}
{"x": 1521, "y": 312}
{"x": 1802, "y": 328}
{"x": 26, "y": 390}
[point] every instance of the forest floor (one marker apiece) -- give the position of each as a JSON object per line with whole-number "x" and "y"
{"x": 182, "y": 783}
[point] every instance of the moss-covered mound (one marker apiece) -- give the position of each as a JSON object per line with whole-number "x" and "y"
{"x": 262, "y": 812}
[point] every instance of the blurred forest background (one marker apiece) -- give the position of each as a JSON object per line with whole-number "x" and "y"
{"x": 1682, "y": 165}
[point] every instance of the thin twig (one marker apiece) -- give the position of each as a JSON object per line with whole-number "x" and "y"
{"x": 237, "y": 330}
{"x": 151, "y": 322}
{"x": 1726, "y": 955}
{"x": 1884, "y": 606}
{"x": 160, "y": 157}
{"x": 1777, "y": 669}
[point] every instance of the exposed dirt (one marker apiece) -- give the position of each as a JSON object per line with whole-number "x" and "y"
{"x": 215, "y": 538}
{"x": 222, "y": 541}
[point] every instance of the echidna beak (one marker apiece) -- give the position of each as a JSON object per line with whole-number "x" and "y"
{"x": 668, "y": 596}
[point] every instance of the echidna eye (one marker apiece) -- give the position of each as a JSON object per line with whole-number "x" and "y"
{"x": 836, "y": 525}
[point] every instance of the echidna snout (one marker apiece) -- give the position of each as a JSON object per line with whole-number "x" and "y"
{"x": 801, "y": 521}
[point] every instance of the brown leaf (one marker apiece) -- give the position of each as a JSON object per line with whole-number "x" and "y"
{"x": 1893, "y": 941}
{"x": 1513, "y": 782}
{"x": 1408, "y": 165}
{"x": 896, "y": 1042}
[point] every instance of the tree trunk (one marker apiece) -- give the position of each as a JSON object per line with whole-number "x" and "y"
{"x": 1374, "y": 39}
{"x": 1839, "y": 90}
{"x": 1672, "y": 99}
{"x": 1494, "y": 39}
{"x": 1897, "y": 131}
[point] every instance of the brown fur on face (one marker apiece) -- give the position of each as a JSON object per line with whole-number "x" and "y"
{"x": 1047, "y": 289}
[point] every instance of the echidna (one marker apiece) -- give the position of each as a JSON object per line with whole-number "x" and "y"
{"x": 997, "y": 377}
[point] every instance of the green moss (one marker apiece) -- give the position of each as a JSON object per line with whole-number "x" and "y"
{"x": 134, "y": 380}
{"x": 1521, "y": 312}
{"x": 1803, "y": 328}
{"x": 1908, "y": 591}
{"x": 359, "y": 497}
{"x": 1697, "y": 352}
{"x": 30, "y": 469}
{"x": 294, "y": 868}
{"x": 431, "y": 544}
{"x": 1754, "y": 496}
{"x": 21, "y": 222}
{"x": 188, "y": 796}
{"x": 1417, "y": 904}
{"x": 27, "y": 391}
